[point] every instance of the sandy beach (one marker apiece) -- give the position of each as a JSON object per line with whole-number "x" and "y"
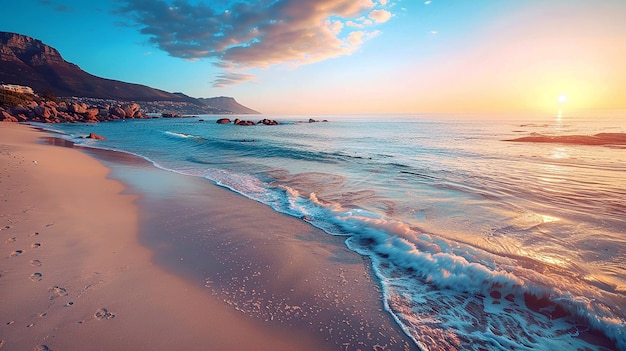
{"x": 103, "y": 251}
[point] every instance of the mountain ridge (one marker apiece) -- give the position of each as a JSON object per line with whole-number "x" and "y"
{"x": 29, "y": 62}
{"x": 229, "y": 104}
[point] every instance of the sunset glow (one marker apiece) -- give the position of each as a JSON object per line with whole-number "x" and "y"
{"x": 343, "y": 56}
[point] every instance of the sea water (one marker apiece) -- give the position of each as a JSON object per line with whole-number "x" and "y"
{"x": 478, "y": 243}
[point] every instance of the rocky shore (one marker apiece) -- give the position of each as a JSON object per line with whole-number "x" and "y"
{"x": 38, "y": 109}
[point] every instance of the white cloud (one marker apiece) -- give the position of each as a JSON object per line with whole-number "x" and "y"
{"x": 380, "y": 16}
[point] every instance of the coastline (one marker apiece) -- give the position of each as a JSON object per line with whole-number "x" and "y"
{"x": 170, "y": 263}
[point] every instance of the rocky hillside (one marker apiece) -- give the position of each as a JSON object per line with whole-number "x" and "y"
{"x": 228, "y": 104}
{"x": 27, "y": 61}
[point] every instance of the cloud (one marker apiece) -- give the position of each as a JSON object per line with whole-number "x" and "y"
{"x": 231, "y": 78}
{"x": 380, "y": 16}
{"x": 259, "y": 33}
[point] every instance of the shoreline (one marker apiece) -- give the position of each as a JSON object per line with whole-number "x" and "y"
{"x": 187, "y": 264}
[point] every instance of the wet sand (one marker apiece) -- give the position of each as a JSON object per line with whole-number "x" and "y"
{"x": 101, "y": 250}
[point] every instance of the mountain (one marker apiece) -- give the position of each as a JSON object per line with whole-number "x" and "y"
{"x": 27, "y": 61}
{"x": 30, "y": 62}
{"x": 228, "y": 104}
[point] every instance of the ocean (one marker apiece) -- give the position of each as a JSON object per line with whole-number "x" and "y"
{"x": 477, "y": 243}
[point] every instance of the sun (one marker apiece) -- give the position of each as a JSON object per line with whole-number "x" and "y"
{"x": 562, "y": 98}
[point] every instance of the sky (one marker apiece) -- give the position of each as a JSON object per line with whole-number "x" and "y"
{"x": 348, "y": 56}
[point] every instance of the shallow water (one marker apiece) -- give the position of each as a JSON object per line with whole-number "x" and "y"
{"x": 477, "y": 242}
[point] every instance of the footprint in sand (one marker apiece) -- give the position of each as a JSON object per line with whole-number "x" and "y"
{"x": 11, "y": 240}
{"x": 36, "y": 277}
{"x": 16, "y": 253}
{"x": 35, "y": 245}
{"x": 35, "y": 263}
{"x": 42, "y": 348}
{"x": 57, "y": 291}
{"x": 34, "y": 234}
{"x": 103, "y": 313}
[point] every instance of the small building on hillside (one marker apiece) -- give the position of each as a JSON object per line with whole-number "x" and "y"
{"x": 17, "y": 88}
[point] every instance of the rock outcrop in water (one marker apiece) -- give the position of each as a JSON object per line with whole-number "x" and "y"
{"x": 95, "y": 136}
{"x": 597, "y": 139}
{"x": 239, "y": 122}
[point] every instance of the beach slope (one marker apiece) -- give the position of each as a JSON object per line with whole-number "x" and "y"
{"x": 91, "y": 263}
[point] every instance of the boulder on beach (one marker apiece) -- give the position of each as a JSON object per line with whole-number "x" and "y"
{"x": 131, "y": 110}
{"x": 117, "y": 112}
{"x": 95, "y": 136}
{"x": 6, "y": 117}
{"x": 43, "y": 111}
{"x": 223, "y": 121}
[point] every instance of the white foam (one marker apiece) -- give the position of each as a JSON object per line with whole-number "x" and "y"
{"x": 182, "y": 135}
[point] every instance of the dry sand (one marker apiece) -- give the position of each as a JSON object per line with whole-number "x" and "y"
{"x": 166, "y": 262}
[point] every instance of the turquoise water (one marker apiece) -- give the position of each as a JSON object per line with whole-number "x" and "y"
{"x": 478, "y": 243}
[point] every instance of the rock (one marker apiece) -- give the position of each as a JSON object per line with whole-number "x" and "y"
{"x": 66, "y": 117}
{"x": 268, "y": 122}
{"x": 223, "y": 121}
{"x": 95, "y": 136}
{"x": 91, "y": 113}
{"x": 77, "y": 108}
{"x": 117, "y": 112}
{"x": 43, "y": 112}
{"x": 311, "y": 120}
{"x": 243, "y": 123}
{"x": 19, "y": 110}
{"x": 130, "y": 110}
{"x": 51, "y": 104}
{"x": 6, "y": 117}
{"x": 21, "y": 117}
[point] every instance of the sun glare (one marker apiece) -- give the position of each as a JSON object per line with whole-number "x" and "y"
{"x": 562, "y": 98}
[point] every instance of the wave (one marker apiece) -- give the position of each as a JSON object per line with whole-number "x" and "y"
{"x": 183, "y": 135}
{"x": 447, "y": 295}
